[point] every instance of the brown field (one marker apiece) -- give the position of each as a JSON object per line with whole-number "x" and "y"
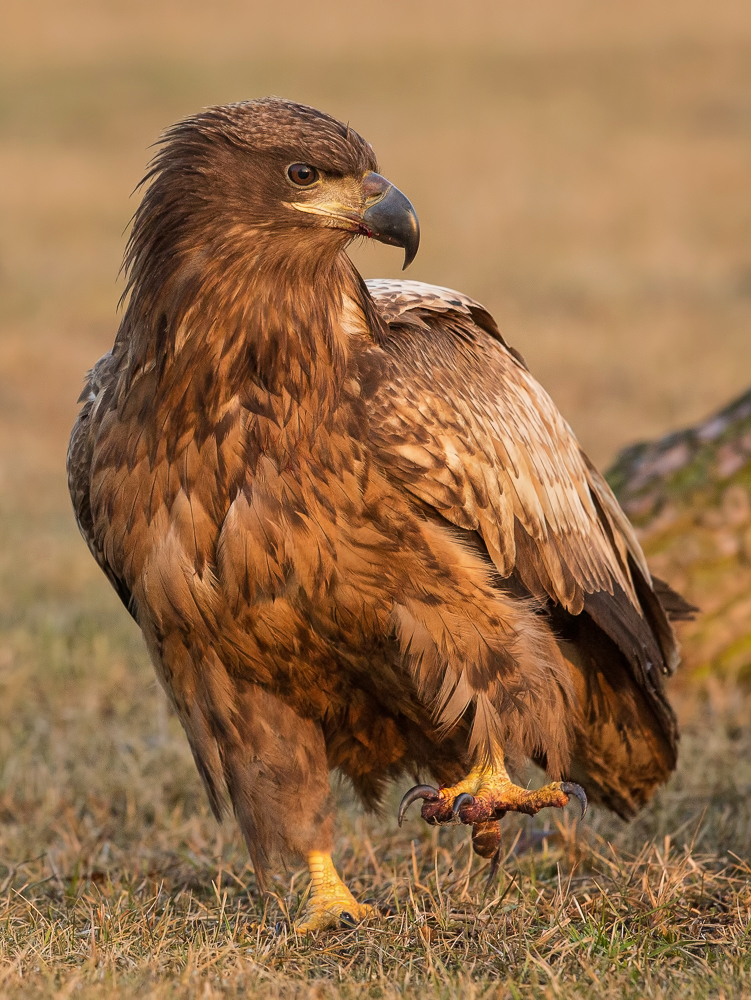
{"x": 583, "y": 168}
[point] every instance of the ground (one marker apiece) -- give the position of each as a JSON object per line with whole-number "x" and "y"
{"x": 113, "y": 873}
{"x": 581, "y": 168}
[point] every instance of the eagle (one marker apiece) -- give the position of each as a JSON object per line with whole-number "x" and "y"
{"x": 355, "y": 532}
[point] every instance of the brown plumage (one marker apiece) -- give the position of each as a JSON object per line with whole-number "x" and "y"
{"x": 355, "y": 532}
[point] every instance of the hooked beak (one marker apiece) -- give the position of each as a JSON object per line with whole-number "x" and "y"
{"x": 389, "y": 217}
{"x": 382, "y": 212}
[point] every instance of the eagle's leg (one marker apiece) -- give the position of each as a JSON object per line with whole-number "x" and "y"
{"x": 487, "y": 793}
{"x": 331, "y": 904}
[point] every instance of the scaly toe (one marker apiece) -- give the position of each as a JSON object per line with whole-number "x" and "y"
{"x": 492, "y": 800}
{"x": 441, "y": 811}
{"x": 486, "y": 795}
{"x": 320, "y": 915}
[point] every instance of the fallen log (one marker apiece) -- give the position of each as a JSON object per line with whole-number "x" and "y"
{"x": 689, "y": 495}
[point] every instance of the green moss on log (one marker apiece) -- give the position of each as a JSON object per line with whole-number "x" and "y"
{"x": 689, "y": 495}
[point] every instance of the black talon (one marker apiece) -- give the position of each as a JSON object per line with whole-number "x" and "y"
{"x": 570, "y": 788}
{"x": 418, "y": 792}
{"x": 465, "y": 799}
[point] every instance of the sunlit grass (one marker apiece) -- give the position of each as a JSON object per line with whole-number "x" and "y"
{"x": 113, "y": 873}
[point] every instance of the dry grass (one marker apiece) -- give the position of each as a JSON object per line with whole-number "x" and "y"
{"x": 113, "y": 873}
{"x": 580, "y": 167}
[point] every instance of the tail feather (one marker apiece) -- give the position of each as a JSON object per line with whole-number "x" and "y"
{"x": 622, "y": 749}
{"x": 676, "y": 607}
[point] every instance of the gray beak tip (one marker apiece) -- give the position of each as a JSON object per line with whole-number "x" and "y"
{"x": 409, "y": 256}
{"x": 392, "y": 219}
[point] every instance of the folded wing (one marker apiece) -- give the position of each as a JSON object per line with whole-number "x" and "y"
{"x": 460, "y": 423}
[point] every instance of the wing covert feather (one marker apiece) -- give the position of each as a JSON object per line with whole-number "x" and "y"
{"x": 460, "y": 422}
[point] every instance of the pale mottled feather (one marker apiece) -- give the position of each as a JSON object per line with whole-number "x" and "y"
{"x": 466, "y": 428}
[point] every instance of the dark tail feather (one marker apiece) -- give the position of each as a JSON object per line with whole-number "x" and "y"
{"x": 677, "y": 608}
{"x": 624, "y": 738}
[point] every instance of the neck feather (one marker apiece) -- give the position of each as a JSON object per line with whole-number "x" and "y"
{"x": 244, "y": 325}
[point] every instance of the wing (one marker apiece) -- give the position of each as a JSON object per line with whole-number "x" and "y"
{"x": 460, "y": 423}
{"x": 80, "y": 455}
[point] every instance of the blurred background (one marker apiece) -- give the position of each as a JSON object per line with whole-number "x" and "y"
{"x": 581, "y": 167}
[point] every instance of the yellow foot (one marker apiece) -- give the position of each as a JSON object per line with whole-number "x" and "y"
{"x": 487, "y": 793}
{"x": 331, "y": 904}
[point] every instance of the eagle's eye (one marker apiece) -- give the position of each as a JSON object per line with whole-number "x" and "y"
{"x": 302, "y": 175}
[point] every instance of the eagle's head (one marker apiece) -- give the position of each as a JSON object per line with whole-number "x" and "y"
{"x": 269, "y": 182}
